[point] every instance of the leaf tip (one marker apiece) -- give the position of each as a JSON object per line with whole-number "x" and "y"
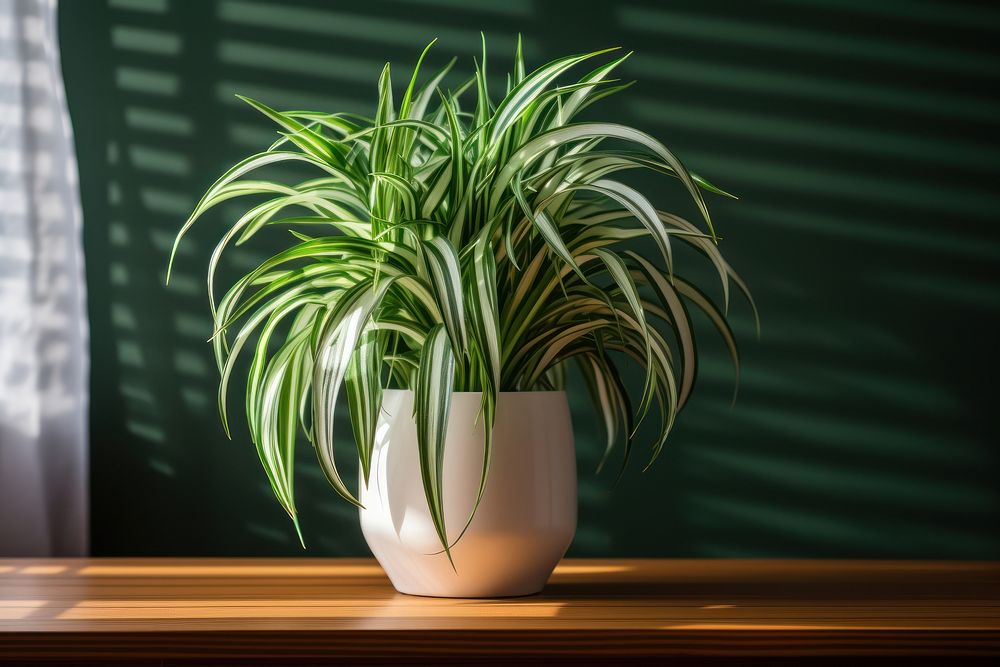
{"x": 298, "y": 530}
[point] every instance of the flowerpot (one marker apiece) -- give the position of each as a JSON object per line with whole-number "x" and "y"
{"x": 527, "y": 516}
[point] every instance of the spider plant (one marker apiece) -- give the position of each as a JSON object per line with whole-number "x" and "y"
{"x": 458, "y": 240}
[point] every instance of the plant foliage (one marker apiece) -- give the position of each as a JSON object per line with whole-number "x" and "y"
{"x": 446, "y": 246}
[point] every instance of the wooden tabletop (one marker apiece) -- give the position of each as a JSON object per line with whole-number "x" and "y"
{"x": 170, "y": 610}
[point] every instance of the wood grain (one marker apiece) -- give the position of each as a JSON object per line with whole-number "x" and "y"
{"x": 172, "y": 610}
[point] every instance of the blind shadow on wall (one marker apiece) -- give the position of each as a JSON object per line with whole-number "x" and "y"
{"x": 853, "y": 133}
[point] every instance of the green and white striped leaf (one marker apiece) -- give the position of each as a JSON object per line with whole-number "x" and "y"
{"x": 338, "y": 338}
{"x": 446, "y": 277}
{"x": 432, "y": 407}
{"x": 525, "y": 92}
{"x": 364, "y": 395}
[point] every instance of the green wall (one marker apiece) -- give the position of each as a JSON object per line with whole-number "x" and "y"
{"x": 854, "y": 132}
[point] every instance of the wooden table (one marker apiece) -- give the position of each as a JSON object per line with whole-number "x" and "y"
{"x": 166, "y": 611}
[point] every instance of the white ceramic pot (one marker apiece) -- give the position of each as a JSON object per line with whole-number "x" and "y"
{"x": 525, "y": 521}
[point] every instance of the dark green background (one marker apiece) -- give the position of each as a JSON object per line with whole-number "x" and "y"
{"x": 859, "y": 136}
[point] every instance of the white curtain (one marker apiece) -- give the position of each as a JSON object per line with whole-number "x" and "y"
{"x": 43, "y": 330}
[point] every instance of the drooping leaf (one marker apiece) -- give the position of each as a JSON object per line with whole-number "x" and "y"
{"x": 431, "y": 408}
{"x": 364, "y": 395}
{"x": 338, "y": 338}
